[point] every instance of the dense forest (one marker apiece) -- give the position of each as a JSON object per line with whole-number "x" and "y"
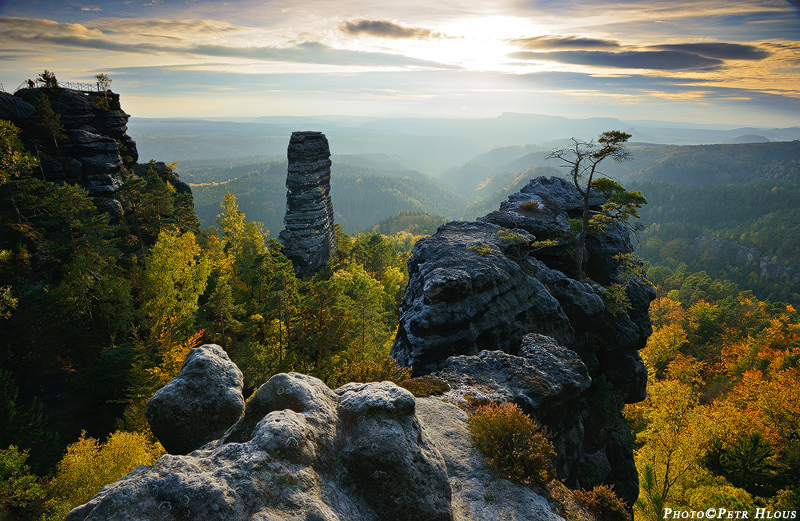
{"x": 97, "y": 314}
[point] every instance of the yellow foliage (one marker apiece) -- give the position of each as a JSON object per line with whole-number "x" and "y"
{"x": 667, "y": 311}
{"x": 89, "y": 465}
{"x": 662, "y": 346}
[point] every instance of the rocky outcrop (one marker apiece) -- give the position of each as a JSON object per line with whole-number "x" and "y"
{"x": 544, "y": 379}
{"x": 484, "y": 285}
{"x": 198, "y": 405}
{"x": 308, "y": 238}
{"x": 300, "y": 452}
{"x": 477, "y": 494}
{"x": 95, "y": 146}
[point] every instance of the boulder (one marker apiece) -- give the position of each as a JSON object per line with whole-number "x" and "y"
{"x": 200, "y": 404}
{"x": 300, "y": 452}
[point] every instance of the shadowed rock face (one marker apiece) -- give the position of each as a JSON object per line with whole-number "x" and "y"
{"x": 308, "y": 238}
{"x": 300, "y": 452}
{"x": 484, "y": 285}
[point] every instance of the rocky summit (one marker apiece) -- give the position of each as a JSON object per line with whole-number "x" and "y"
{"x": 479, "y": 287}
{"x": 308, "y": 237}
{"x": 300, "y": 451}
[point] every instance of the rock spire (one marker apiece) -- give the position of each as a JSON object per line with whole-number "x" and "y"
{"x": 308, "y": 238}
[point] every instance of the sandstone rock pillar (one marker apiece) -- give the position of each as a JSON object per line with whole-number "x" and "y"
{"x": 307, "y": 237}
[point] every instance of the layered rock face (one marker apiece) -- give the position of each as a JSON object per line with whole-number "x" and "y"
{"x": 484, "y": 285}
{"x": 301, "y": 451}
{"x": 308, "y": 237}
{"x": 96, "y": 146}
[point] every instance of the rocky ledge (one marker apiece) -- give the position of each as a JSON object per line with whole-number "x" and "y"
{"x": 363, "y": 452}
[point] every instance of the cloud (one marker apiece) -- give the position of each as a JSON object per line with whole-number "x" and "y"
{"x": 90, "y": 9}
{"x": 313, "y": 52}
{"x": 564, "y": 42}
{"x": 721, "y": 51}
{"x": 78, "y": 36}
{"x": 386, "y": 29}
{"x": 165, "y": 28}
{"x": 656, "y": 60}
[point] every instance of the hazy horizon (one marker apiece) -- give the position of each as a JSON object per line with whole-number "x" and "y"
{"x": 706, "y": 62}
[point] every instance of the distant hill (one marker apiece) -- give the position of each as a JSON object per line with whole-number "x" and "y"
{"x": 362, "y": 193}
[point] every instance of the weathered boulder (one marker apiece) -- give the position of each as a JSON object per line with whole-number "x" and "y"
{"x": 300, "y": 452}
{"x": 200, "y": 404}
{"x": 477, "y": 494}
{"x": 308, "y": 237}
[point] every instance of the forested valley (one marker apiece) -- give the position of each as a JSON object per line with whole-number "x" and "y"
{"x": 96, "y": 315}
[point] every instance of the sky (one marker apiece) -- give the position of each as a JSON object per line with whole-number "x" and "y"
{"x": 699, "y": 61}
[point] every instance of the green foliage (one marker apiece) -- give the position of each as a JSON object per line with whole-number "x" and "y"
{"x": 18, "y": 487}
{"x": 415, "y": 222}
{"x": 49, "y": 79}
{"x": 583, "y": 159}
{"x": 615, "y": 295}
{"x": 48, "y": 121}
{"x": 25, "y": 425}
{"x": 480, "y": 248}
{"x": 175, "y": 275}
{"x": 514, "y": 444}
{"x": 766, "y": 217}
{"x": 103, "y": 81}
{"x": 14, "y": 161}
{"x": 604, "y": 503}
{"x": 746, "y": 462}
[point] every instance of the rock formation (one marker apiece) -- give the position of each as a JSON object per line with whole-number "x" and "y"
{"x": 94, "y": 152}
{"x": 198, "y": 405}
{"x": 300, "y": 452}
{"x": 484, "y": 285}
{"x": 308, "y": 238}
{"x": 481, "y": 295}
{"x": 95, "y": 147}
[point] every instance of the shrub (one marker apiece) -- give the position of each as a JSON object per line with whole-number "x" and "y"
{"x": 425, "y": 386}
{"x": 89, "y": 465}
{"x": 514, "y": 444}
{"x": 480, "y": 248}
{"x": 604, "y": 503}
{"x": 529, "y": 206}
